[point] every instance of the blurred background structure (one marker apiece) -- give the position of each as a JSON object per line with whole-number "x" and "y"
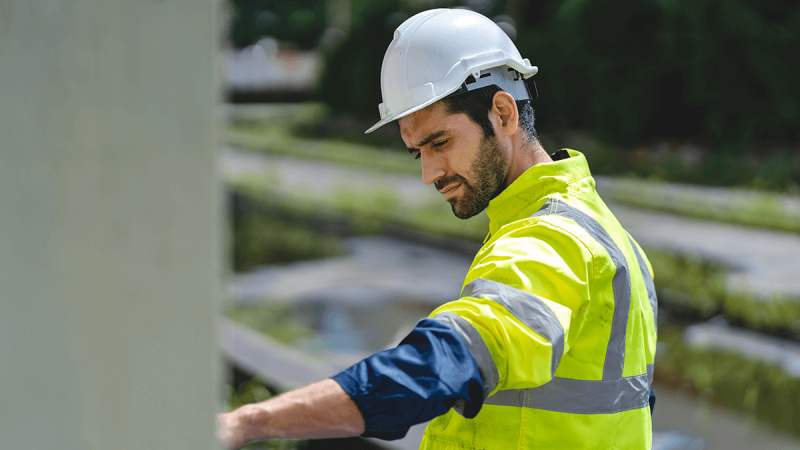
{"x": 687, "y": 112}
{"x": 110, "y": 232}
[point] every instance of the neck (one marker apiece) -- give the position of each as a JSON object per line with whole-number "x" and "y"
{"x": 524, "y": 155}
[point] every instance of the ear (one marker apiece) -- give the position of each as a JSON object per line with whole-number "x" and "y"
{"x": 507, "y": 115}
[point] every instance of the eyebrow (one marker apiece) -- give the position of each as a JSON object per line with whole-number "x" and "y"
{"x": 428, "y": 139}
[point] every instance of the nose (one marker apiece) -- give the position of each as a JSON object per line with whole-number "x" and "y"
{"x": 432, "y": 167}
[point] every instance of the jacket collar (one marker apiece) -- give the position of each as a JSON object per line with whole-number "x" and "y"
{"x": 523, "y": 197}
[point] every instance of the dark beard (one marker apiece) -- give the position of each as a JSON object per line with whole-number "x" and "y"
{"x": 489, "y": 168}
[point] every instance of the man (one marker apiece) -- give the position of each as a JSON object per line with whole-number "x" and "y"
{"x": 552, "y": 342}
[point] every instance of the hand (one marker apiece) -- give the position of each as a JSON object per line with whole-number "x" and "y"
{"x": 229, "y": 431}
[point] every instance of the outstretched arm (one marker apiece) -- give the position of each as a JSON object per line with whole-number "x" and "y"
{"x": 322, "y": 409}
{"x": 429, "y": 372}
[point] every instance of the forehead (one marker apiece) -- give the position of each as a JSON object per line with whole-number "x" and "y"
{"x": 416, "y": 126}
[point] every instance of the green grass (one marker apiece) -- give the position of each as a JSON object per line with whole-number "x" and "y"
{"x": 281, "y": 142}
{"x": 275, "y": 319}
{"x": 696, "y": 287}
{"x": 293, "y": 116}
{"x": 260, "y": 240}
{"x": 758, "y": 209}
{"x": 371, "y": 210}
{"x": 762, "y": 390}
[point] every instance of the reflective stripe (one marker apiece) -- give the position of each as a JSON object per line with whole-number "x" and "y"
{"x": 483, "y": 357}
{"x": 648, "y": 282}
{"x": 615, "y": 352}
{"x": 527, "y": 308}
{"x": 581, "y": 396}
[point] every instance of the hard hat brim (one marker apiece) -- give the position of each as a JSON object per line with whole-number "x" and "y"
{"x": 402, "y": 114}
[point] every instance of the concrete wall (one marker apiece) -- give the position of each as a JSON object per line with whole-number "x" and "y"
{"x": 110, "y": 214}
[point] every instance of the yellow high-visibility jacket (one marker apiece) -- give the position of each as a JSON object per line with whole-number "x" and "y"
{"x": 559, "y": 311}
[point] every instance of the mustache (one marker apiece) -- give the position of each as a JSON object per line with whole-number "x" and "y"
{"x": 442, "y": 182}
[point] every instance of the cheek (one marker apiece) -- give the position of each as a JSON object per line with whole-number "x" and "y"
{"x": 466, "y": 162}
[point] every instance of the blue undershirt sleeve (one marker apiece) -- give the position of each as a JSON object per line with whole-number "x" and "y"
{"x": 420, "y": 379}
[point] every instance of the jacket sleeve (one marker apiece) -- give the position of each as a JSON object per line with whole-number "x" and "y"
{"x": 524, "y": 299}
{"x": 429, "y": 372}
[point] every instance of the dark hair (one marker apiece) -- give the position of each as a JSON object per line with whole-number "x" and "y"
{"x": 476, "y": 105}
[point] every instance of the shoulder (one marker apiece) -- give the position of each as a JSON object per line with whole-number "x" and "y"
{"x": 539, "y": 237}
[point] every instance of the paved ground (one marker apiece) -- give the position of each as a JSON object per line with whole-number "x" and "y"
{"x": 374, "y": 269}
{"x": 706, "y": 197}
{"x": 764, "y": 262}
{"x": 717, "y": 335}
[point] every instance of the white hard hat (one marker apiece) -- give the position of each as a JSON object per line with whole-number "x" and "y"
{"x": 438, "y": 52}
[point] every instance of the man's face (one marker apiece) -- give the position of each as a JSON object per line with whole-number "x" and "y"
{"x": 468, "y": 168}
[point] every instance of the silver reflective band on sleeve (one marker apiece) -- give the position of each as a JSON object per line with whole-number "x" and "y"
{"x": 527, "y": 308}
{"x": 648, "y": 282}
{"x": 581, "y": 396}
{"x": 476, "y": 346}
{"x": 615, "y": 352}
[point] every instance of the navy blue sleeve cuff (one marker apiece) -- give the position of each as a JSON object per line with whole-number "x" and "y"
{"x": 420, "y": 379}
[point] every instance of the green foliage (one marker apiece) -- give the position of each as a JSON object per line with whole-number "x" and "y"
{"x": 251, "y": 391}
{"x": 259, "y": 240}
{"x": 688, "y": 283}
{"x": 748, "y": 208}
{"x": 737, "y": 60}
{"x": 367, "y": 208}
{"x": 351, "y": 80}
{"x": 779, "y": 316}
{"x": 764, "y": 390}
{"x": 720, "y": 70}
{"x": 593, "y": 73}
{"x": 679, "y": 68}
{"x": 277, "y": 117}
{"x": 300, "y": 22}
{"x": 278, "y": 320}
{"x": 696, "y": 287}
{"x": 276, "y": 141}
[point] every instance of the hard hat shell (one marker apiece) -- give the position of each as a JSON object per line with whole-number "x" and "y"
{"x": 434, "y": 52}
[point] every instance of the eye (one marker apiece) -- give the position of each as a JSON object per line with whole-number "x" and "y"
{"x": 417, "y": 155}
{"x": 440, "y": 143}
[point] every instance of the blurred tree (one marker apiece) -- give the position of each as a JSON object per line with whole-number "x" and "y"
{"x": 627, "y": 70}
{"x": 631, "y": 70}
{"x": 737, "y": 58}
{"x": 600, "y": 67}
{"x": 300, "y": 22}
{"x": 351, "y": 82}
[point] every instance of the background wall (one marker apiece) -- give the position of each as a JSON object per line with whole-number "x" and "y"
{"x": 109, "y": 230}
